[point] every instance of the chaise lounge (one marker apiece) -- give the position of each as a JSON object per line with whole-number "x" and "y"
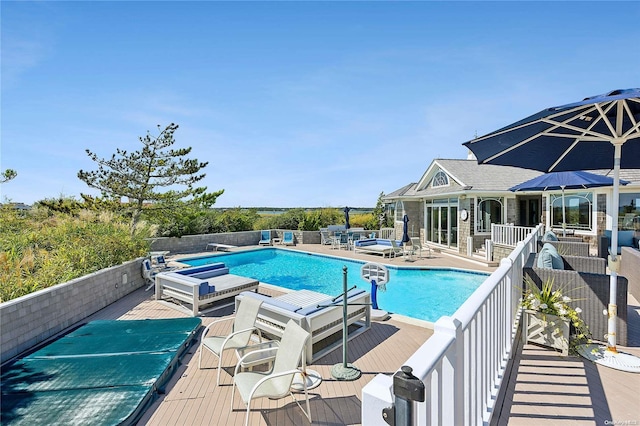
{"x": 309, "y": 310}
{"x": 265, "y": 238}
{"x": 375, "y": 246}
{"x": 201, "y": 285}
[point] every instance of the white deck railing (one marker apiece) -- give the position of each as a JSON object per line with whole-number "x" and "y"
{"x": 509, "y": 235}
{"x": 463, "y": 363}
{"x": 387, "y": 233}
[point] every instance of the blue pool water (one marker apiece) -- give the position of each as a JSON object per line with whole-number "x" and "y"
{"x": 425, "y": 294}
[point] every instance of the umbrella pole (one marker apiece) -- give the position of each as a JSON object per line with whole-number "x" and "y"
{"x": 610, "y": 356}
{"x": 613, "y": 257}
{"x": 564, "y": 220}
{"x": 345, "y": 370}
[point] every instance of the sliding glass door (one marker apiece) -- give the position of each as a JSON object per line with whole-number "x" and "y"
{"x": 441, "y": 221}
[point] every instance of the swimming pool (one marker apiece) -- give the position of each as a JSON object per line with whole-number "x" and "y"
{"x": 425, "y": 294}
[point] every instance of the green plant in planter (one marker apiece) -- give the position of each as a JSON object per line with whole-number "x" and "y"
{"x": 550, "y": 300}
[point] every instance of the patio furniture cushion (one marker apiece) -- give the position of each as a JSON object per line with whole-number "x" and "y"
{"x": 549, "y": 258}
{"x": 210, "y": 274}
{"x": 625, "y": 239}
{"x": 272, "y": 301}
{"x": 199, "y": 269}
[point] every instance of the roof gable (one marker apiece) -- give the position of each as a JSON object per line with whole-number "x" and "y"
{"x": 434, "y": 168}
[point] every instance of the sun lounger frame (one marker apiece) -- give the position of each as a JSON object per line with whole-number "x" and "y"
{"x": 321, "y": 324}
{"x": 186, "y": 289}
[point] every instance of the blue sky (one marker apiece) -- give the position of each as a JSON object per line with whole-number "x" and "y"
{"x": 293, "y": 104}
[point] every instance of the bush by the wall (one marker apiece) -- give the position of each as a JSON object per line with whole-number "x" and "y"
{"x": 41, "y": 248}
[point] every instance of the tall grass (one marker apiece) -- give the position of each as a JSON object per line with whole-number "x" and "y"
{"x": 39, "y": 249}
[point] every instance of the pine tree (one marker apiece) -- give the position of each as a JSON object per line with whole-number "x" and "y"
{"x": 7, "y": 175}
{"x": 157, "y": 176}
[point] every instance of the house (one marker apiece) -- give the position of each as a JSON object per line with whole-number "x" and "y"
{"x": 455, "y": 202}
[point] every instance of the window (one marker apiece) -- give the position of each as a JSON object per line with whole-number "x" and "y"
{"x": 399, "y": 211}
{"x": 577, "y": 210}
{"x": 629, "y": 212}
{"x": 440, "y": 179}
{"x": 489, "y": 211}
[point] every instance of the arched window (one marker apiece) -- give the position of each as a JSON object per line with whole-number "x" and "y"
{"x": 489, "y": 211}
{"x": 399, "y": 210}
{"x": 440, "y": 179}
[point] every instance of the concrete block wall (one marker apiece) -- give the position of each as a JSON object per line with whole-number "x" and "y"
{"x": 198, "y": 243}
{"x": 299, "y": 237}
{"x": 32, "y": 319}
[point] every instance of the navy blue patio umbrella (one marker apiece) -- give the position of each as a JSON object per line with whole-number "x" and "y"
{"x": 405, "y": 229}
{"x": 346, "y": 218}
{"x": 598, "y": 132}
{"x": 565, "y": 180}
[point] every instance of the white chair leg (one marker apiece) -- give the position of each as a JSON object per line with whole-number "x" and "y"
{"x": 246, "y": 417}
{"x": 200, "y": 358}
{"x": 233, "y": 392}
{"x": 219, "y": 368}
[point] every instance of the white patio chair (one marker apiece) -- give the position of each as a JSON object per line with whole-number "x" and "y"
{"x": 243, "y": 327}
{"x": 417, "y": 245}
{"x": 396, "y": 249}
{"x": 277, "y": 382}
{"x": 148, "y": 274}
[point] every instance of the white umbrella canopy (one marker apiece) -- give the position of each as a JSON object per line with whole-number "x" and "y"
{"x": 599, "y": 132}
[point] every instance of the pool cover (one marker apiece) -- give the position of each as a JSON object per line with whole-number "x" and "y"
{"x": 103, "y": 373}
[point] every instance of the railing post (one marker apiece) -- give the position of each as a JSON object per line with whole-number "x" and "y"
{"x": 488, "y": 245}
{"x": 453, "y": 387}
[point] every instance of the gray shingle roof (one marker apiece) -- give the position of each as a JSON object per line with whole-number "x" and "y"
{"x": 468, "y": 175}
{"x": 486, "y": 177}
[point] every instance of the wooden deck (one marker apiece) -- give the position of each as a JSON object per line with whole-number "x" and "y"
{"x": 546, "y": 388}
{"x": 543, "y": 386}
{"x": 193, "y": 398}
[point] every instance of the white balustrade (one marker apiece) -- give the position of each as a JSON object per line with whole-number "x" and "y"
{"x": 509, "y": 235}
{"x": 463, "y": 363}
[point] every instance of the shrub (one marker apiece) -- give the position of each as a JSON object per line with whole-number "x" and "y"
{"x": 42, "y": 248}
{"x": 299, "y": 219}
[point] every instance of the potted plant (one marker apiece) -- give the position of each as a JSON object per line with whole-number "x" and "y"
{"x": 548, "y": 315}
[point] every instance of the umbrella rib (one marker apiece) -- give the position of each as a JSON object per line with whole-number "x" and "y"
{"x": 588, "y": 130}
{"x": 583, "y": 137}
{"x": 606, "y": 121}
{"x": 501, "y": 153}
{"x": 636, "y": 124}
{"x": 583, "y": 134}
{"x": 564, "y": 154}
{"x": 555, "y": 125}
